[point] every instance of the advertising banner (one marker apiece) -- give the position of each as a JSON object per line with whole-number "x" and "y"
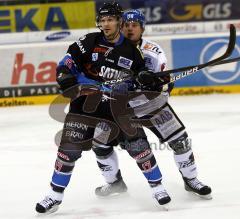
{"x": 174, "y": 11}
{"x": 190, "y": 27}
{"x": 28, "y": 72}
{"x": 44, "y": 17}
{"x": 220, "y": 78}
{"x": 82, "y": 14}
{"x": 44, "y": 36}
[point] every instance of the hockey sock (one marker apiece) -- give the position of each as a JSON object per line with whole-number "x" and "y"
{"x": 186, "y": 164}
{"x": 109, "y": 166}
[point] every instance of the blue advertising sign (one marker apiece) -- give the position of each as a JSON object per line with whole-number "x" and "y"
{"x": 174, "y": 11}
{"x": 201, "y": 50}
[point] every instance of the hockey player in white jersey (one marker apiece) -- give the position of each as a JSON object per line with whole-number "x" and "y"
{"x": 170, "y": 129}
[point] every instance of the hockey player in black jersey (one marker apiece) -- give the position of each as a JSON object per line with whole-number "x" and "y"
{"x": 165, "y": 123}
{"x": 94, "y": 59}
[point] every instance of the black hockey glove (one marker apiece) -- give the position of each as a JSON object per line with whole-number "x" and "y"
{"x": 66, "y": 80}
{"x": 149, "y": 81}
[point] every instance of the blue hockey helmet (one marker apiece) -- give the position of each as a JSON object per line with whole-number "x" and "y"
{"x": 134, "y": 15}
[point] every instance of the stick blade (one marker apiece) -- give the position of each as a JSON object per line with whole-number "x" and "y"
{"x": 232, "y": 40}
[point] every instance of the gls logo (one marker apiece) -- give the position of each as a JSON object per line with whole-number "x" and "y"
{"x": 200, "y": 11}
{"x": 220, "y": 73}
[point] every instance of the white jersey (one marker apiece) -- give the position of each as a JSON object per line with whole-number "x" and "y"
{"x": 156, "y": 61}
{"x": 154, "y": 56}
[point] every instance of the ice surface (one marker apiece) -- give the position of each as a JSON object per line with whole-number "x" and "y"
{"x": 28, "y": 152}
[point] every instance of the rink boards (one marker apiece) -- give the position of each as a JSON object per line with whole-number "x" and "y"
{"x": 28, "y": 70}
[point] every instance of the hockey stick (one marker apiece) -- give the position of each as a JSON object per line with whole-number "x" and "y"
{"x": 219, "y": 63}
{"x": 227, "y": 61}
{"x": 189, "y": 70}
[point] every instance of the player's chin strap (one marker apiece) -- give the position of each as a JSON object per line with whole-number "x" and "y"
{"x": 114, "y": 37}
{"x": 118, "y": 32}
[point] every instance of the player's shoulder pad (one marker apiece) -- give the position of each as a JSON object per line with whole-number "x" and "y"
{"x": 87, "y": 41}
{"x": 152, "y": 47}
{"x": 90, "y": 36}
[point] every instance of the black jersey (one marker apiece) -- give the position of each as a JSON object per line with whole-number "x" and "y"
{"x": 103, "y": 61}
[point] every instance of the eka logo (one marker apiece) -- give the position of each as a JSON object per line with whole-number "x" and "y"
{"x": 220, "y": 73}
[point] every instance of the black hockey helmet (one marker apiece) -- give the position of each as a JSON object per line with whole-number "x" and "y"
{"x": 110, "y": 9}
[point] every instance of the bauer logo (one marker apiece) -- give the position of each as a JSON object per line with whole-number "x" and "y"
{"x": 58, "y": 35}
{"x": 220, "y": 73}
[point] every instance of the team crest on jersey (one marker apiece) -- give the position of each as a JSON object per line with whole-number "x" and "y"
{"x": 152, "y": 47}
{"x": 124, "y": 62}
{"x": 94, "y": 56}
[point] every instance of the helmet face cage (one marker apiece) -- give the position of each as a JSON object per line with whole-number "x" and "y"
{"x": 109, "y": 9}
{"x": 134, "y": 15}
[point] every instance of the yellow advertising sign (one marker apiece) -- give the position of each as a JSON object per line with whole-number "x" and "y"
{"x": 39, "y": 17}
{"x": 59, "y": 99}
{"x": 221, "y": 89}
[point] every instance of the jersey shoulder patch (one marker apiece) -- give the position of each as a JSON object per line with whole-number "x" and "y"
{"x": 152, "y": 47}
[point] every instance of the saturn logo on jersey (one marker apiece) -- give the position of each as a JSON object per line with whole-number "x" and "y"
{"x": 110, "y": 73}
{"x": 220, "y": 73}
{"x": 124, "y": 62}
{"x": 94, "y": 57}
